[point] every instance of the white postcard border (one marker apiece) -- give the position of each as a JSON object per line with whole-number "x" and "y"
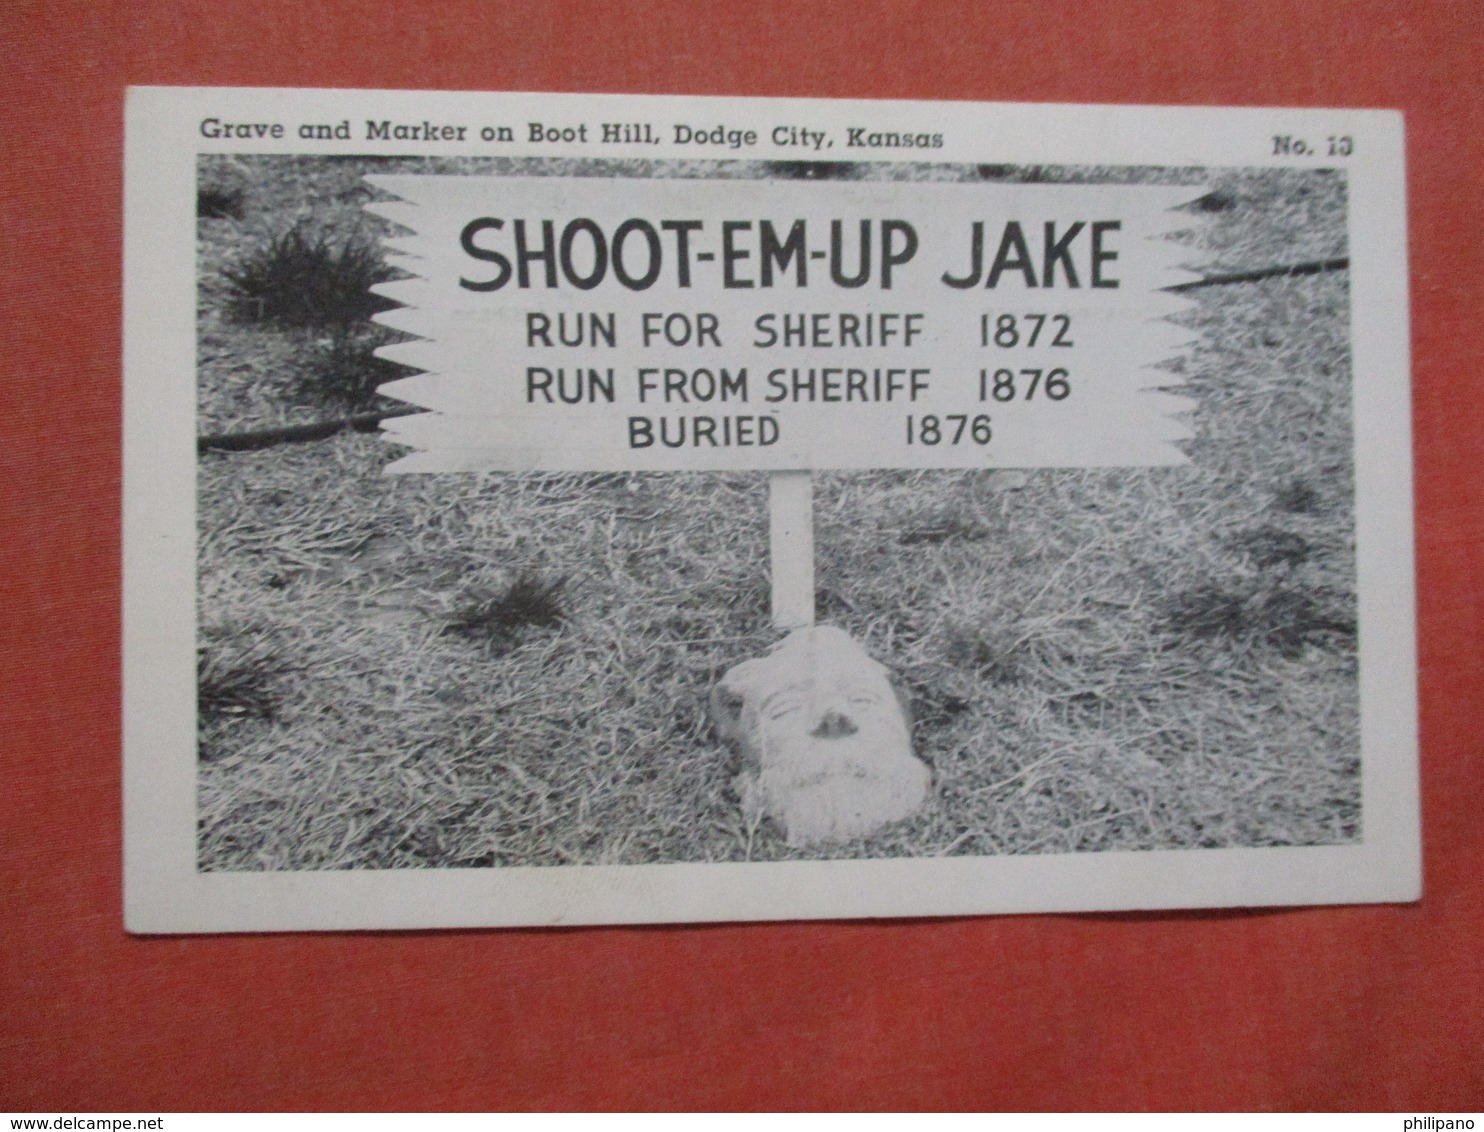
{"x": 165, "y": 893}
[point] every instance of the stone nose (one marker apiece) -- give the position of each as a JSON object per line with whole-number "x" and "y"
{"x": 834, "y": 725}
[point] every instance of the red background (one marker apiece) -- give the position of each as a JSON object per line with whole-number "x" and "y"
{"x": 1367, "y": 1007}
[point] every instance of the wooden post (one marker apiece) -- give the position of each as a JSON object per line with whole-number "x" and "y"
{"x": 791, "y": 548}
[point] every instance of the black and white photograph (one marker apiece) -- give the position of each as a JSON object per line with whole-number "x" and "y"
{"x": 550, "y": 667}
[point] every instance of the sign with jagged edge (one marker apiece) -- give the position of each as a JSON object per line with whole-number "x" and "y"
{"x": 638, "y": 324}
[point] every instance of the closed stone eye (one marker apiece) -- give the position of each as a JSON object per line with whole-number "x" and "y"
{"x": 781, "y": 704}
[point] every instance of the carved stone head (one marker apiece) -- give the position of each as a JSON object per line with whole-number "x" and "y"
{"x": 826, "y": 741}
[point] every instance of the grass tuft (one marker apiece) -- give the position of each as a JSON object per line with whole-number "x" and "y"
{"x": 1217, "y": 201}
{"x": 1297, "y": 497}
{"x": 501, "y": 619}
{"x": 238, "y": 677}
{"x": 219, "y": 203}
{"x": 991, "y": 652}
{"x": 1269, "y": 546}
{"x": 345, "y": 372}
{"x": 1257, "y": 611}
{"x": 308, "y": 281}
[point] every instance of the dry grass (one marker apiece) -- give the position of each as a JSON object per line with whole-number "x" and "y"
{"x": 499, "y": 669}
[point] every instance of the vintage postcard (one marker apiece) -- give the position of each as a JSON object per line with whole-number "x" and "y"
{"x": 563, "y": 509}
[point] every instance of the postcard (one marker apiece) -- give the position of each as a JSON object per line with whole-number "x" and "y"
{"x": 572, "y": 509}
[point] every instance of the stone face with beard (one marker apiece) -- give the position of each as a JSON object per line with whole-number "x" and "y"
{"x": 826, "y": 742}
